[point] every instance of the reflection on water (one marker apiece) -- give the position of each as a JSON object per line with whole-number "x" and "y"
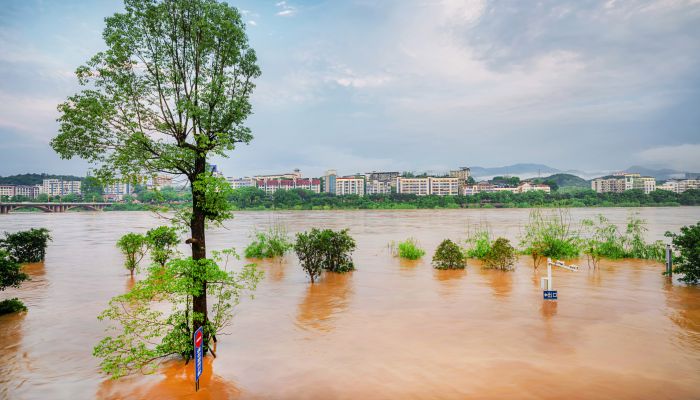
{"x": 324, "y": 300}
{"x": 391, "y": 329}
{"x": 175, "y": 381}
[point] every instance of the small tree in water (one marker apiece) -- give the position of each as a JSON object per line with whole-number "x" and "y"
{"x": 11, "y": 275}
{"x": 324, "y": 249}
{"x": 272, "y": 243}
{"x": 133, "y": 246}
{"x": 171, "y": 89}
{"x": 449, "y": 255}
{"x": 148, "y": 335}
{"x": 687, "y": 260}
{"x": 501, "y": 255}
{"x": 161, "y": 242}
{"x": 26, "y": 246}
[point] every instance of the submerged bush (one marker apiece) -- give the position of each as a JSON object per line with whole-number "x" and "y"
{"x": 133, "y": 246}
{"x": 551, "y": 235}
{"x": 324, "y": 249}
{"x": 26, "y": 246}
{"x": 449, "y": 255}
{"x": 161, "y": 242}
{"x": 273, "y": 243}
{"x": 606, "y": 241}
{"x": 10, "y": 306}
{"x": 479, "y": 243}
{"x": 501, "y": 255}
{"x": 409, "y": 249}
{"x": 686, "y": 261}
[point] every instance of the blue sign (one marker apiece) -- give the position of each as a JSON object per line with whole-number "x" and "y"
{"x": 198, "y": 342}
{"x": 550, "y": 294}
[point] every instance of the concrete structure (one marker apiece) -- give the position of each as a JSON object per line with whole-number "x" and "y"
{"x": 237, "y": 183}
{"x": 59, "y": 187}
{"x": 329, "y": 181}
{"x": 621, "y": 182}
{"x": 680, "y": 186}
{"x": 272, "y": 185}
{"x": 51, "y": 207}
{"x": 350, "y": 185}
{"x": 430, "y": 185}
{"x": 445, "y": 186}
{"x": 378, "y": 187}
{"x": 116, "y": 191}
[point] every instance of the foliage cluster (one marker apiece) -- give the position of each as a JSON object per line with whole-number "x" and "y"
{"x": 449, "y": 255}
{"x": 324, "y": 249}
{"x": 409, "y": 249}
{"x": 274, "y": 242}
{"x": 686, "y": 261}
{"x": 11, "y": 275}
{"x": 478, "y": 243}
{"x": 550, "y": 235}
{"x": 146, "y": 334}
{"x": 501, "y": 255}
{"x": 133, "y": 246}
{"x": 26, "y": 246}
{"x": 161, "y": 242}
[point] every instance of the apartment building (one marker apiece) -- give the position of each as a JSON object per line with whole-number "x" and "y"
{"x": 378, "y": 187}
{"x": 7, "y": 190}
{"x": 445, "y": 186}
{"x": 286, "y": 176}
{"x": 529, "y": 187}
{"x": 608, "y": 185}
{"x": 237, "y": 183}
{"x": 59, "y": 187}
{"x": 158, "y": 182}
{"x": 417, "y": 186}
{"x": 329, "y": 181}
{"x": 680, "y": 186}
{"x": 621, "y": 182}
{"x": 272, "y": 185}
{"x": 350, "y": 185}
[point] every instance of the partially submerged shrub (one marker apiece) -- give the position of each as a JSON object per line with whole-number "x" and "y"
{"x": 449, "y": 255}
{"x": 551, "y": 235}
{"x": 26, "y": 246}
{"x": 686, "y": 261}
{"x": 409, "y": 249}
{"x": 501, "y": 255}
{"x": 133, "y": 246}
{"x": 324, "y": 249}
{"x": 161, "y": 242}
{"x": 273, "y": 243}
{"x": 10, "y": 306}
{"x": 478, "y": 243}
{"x": 11, "y": 275}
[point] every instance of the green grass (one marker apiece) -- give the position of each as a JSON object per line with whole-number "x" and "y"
{"x": 409, "y": 249}
{"x": 273, "y": 243}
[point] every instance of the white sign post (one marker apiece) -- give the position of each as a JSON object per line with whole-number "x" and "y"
{"x": 546, "y": 283}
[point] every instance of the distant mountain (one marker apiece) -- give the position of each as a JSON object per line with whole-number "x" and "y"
{"x": 660, "y": 174}
{"x": 35, "y": 179}
{"x": 565, "y": 180}
{"x": 521, "y": 170}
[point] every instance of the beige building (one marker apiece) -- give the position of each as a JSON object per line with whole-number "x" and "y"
{"x": 378, "y": 187}
{"x": 529, "y": 187}
{"x": 424, "y": 186}
{"x": 609, "y": 185}
{"x": 621, "y": 182}
{"x": 444, "y": 186}
{"x": 59, "y": 187}
{"x": 680, "y": 186}
{"x": 292, "y": 175}
{"x": 349, "y": 185}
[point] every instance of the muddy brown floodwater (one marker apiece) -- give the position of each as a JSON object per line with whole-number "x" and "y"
{"x": 390, "y": 329}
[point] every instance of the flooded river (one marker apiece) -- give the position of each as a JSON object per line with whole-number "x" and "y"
{"x": 391, "y": 329}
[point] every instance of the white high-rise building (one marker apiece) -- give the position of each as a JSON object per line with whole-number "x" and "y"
{"x": 350, "y": 185}
{"x": 59, "y": 187}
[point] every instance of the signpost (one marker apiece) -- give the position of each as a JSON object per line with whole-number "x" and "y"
{"x": 546, "y": 283}
{"x": 198, "y": 342}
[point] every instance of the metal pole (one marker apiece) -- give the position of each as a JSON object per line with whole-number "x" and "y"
{"x": 549, "y": 274}
{"x": 669, "y": 260}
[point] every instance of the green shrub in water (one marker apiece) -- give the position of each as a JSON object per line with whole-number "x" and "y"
{"x": 479, "y": 243}
{"x": 324, "y": 249}
{"x": 133, "y": 246}
{"x": 161, "y": 242}
{"x": 273, "y": 243}
{"x": 687, "y": 259}
{"x": 501, "y": 255}
{"x": 410, "y": 250}
{"x": 11, "y": 306}
{"x": 26, "y": 246}
{"x": 551, "y": 235}
{"x": 449, "y": 255}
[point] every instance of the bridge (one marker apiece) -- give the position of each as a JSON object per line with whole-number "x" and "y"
{"x": 5, "y": 208}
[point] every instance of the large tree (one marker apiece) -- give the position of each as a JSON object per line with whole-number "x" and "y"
{"x": 171, "y": 90}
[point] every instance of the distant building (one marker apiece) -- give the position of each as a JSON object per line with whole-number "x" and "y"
{"x": 487, "y": 187}
{"x": 680, "y": 186}
{"x": 429, "y": 185}
{"x": 329, "y": 181}
{"x": 116, "y": 191}
{"x": 29, "y": 191}
{"x": 7, "y": 190}
{"x": 378, "y": 187}
{"x": 215, "y": 170}
{"x": 382, "y": 176}
{"x": 622, "y": 181}
{"x": 270, "y": 186}
{"x": 293, "y": 175}
{"x": 237, "y": 183}
{"x": 350, "y": 185}
{"x": 158, "y": 182}
{"x": 59, "y": 187}
{"x": 529, "y": 187}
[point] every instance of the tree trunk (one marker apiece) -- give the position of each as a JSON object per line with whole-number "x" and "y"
{"x": 197, "y": 224}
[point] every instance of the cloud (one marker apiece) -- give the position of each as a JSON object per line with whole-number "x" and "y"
{"x": 684, "y": 157}
{"x": 287, "y": 10}
{"x": 252, "y": 23}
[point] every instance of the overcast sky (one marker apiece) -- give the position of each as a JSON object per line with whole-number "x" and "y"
{"x": 407, "y": 85}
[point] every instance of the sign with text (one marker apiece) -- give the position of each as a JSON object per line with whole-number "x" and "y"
{"x": 198, "y": 342}
{"x": 550, "y": 294}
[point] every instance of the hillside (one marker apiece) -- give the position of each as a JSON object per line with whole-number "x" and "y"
{"x": 34, "y": 179}
{"x": 565, "y": 180}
